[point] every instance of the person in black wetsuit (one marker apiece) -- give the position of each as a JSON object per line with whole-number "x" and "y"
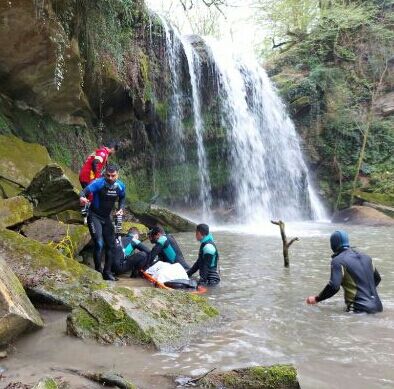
{"x": 208, "y": 258}
{"x": 357, "y": 275}
{"x": 165, "y": 247}
{"x": 106, "y": 190}
{"x": 126, "y": 257}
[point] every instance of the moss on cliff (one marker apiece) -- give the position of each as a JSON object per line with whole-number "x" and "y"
{"x": 331, "y": 78}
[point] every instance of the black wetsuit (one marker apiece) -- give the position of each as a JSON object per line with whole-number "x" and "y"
{"x": 207, "y": 262}
{"x": 99, "y": 218}
{"x": 127, "y": 259}
{"x": 359, "y": 279}
{"x": 167, "y": 250}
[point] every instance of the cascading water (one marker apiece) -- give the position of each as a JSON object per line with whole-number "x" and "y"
{"x": 175, "y": 46}
{"x": 174, "y": 51}
{"x": 268, "y": 172}
{"x": 203, "y": 170}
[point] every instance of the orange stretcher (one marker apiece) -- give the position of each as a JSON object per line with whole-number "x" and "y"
{"x": 157, "y": 284}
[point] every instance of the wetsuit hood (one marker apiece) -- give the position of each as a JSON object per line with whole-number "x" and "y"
{"x": 339, "y": 240}
{"x": 207, "y": 238}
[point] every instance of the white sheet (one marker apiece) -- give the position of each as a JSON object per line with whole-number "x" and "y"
{"x": 164, "y": 271}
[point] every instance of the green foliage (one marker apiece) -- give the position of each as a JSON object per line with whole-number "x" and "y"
{"x": 340, "y": 68}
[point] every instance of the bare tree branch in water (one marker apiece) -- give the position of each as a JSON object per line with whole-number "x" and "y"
{"x": 285, "y": 242}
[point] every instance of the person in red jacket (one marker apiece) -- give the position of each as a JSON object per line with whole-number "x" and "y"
{"x": 95, "y": 163}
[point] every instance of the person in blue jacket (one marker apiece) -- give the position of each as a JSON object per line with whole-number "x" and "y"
{"x": 357, "y": 275}
{"x": 208, "y": 258}
{"x": 106, "y": 191}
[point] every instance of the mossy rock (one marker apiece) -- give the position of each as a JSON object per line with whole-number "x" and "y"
{"x": 14, "y": 211}
{"x": 152, "y": 215}
{"x": 17, "y": 313}
{"x": 258, "y": 377}
{"x": 376, "y": 198}
{"x": 48, "y": 276}
{"x": 362, "y": 215}
{"x": 142, "y": 229}
{"x": 9, "y": 189}
{"x": 165, "y": 319}
{"x": 69, "y": 239}
{"x": 21, "y": 161}
{"x": 69, "y": 217}
{"x": 52, "y": 192}
{"x": 300, "y": 104}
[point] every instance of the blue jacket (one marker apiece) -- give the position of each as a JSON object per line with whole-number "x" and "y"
{"x": 105, "y": 196}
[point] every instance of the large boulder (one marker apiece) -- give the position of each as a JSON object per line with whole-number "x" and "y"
{"x": 20, "y": 161}
{"x": 14, "y": 211}
{"x": 9, "y": 189}
{"x": 142, "y": 229}
{"x": 100, "y": 310}
{"x": 52, "y": 192}
{"x": 68, "y": 238}
{"x": 384, "y": 105}
{"x": 152, "y": 215}
{"x": 362, "y": 215}
{"x": 48, "y": 276}
{"x": 166, "y": 319}
{"x": 69, "y": 217}
{"x": 382, "y": 202}
{"x": 17, "y": 313}
{"x": 257, "y": 377}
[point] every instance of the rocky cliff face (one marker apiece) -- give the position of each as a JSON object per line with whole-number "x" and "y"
{"x": 75, "y": 73}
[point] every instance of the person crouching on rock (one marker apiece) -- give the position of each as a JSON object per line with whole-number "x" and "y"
{"x": 106, "y": 191}
{"x": 165, "y": 247}
{"x": 130, "y": 254}
{"x": 357, "y": 275}
{"x": 208, "y": 258}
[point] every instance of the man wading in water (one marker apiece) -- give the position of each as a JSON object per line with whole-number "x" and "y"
{"x": 357, "y": 275}
{"x": 208, "y": 257}
{"x": 105, "y": 192}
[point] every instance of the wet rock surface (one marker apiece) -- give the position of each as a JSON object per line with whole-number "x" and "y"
{"x": 68, "y": 217}
{"x": 21, "y": 161}
{"x": 362, "y": 215}
{"x": 257, "y": 377}
{"x": 15, "y": 210}
{"x": 52, "y": 192}
{"x": 153, "y": 215}
{"x": 17, "y": 314}
{"x": 165, "y": 319}
{"x": 68, "y": 238}
{"x": 49, "y": 277}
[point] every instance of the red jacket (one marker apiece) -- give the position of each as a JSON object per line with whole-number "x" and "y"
{"x": 87, "y": 174}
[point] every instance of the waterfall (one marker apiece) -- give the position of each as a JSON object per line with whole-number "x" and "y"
{"x": 268, "y": 176}
{"x": 203, "y": 170}
{"x": 175, "y": 45}
{"x": 174, "y": 49}
{"x": 268, "y": 173}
